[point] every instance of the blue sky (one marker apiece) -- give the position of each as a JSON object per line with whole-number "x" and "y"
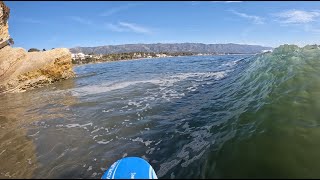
{"x": 70, "y": 24}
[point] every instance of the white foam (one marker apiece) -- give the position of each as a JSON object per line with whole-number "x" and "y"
{"x": 137, "y": 104}
{"x": 89, "y": 168}
{"x": 166, "y": 81}
{"x": 34, "y": 134}
{"x": 96, "y": 130}
{"x": 3, "y": 151}
{"x": 165, "y": 167}
{"x": 94, "y": 174}
{"x": 147, "y": 143}
{"x": 193, "y": 148}
{"x": 78, "y": 125}
{"x": 150, "y": 151}
{"x": 158, "y": 142}
{"x": 108, "y": 110}
{"x": 95, "y": 89}
{"x": 104, "y": 142}
{"x": 187, "y": 162}
{"x": 232, "y": 63}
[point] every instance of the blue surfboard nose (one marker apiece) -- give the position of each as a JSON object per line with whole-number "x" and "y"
{"x": 130, "y": 168}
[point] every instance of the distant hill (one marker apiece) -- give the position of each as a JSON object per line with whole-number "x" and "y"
{"x": 173, "y": 47}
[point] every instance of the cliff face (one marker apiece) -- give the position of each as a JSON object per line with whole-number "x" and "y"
{"x": 4, "y": 27}
{"x": 21, "y": 70}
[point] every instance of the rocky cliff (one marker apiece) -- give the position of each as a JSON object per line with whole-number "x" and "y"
{"x": 21, "y": 70}
{"x": 4, "y": 27}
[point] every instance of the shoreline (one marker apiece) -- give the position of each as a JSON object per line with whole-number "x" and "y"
{"x": 77, "y": 65}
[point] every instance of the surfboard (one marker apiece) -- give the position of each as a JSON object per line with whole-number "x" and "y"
{"x": 130, "y": 168}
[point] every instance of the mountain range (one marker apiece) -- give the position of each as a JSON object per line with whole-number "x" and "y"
{"x": 172, "y": 48}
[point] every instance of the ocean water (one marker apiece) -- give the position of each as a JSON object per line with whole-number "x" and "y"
{"x": 231, "y": 116}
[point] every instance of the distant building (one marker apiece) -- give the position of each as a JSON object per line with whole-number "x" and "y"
{"x": 269, "y": 50}
{"x": 161, "y": 55}
{"x": 78, "y": 56}
{"x": 81, "y": 56}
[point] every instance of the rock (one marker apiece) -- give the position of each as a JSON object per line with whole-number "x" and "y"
{"x": 4, "y": 27}
{"x": 10, "y": 60}
{"x": 21, "y": 70}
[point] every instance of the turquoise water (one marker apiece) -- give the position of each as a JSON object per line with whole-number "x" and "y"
{"x": 233, "y": 116}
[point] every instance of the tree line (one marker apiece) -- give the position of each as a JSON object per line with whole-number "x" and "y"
{"x": 36, "y": 50}
{"x": 126, "y": 56}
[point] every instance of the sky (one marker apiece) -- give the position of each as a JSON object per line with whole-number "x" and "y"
{"x": 47, "y": 25}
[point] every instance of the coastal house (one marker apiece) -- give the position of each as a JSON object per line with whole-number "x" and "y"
{"x": 161, "y": 55}
{"x": 80, "y": 56}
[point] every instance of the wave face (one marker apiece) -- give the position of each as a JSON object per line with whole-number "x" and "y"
{"x": 276, "y": 122}
{"x": 235, "y": 116}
